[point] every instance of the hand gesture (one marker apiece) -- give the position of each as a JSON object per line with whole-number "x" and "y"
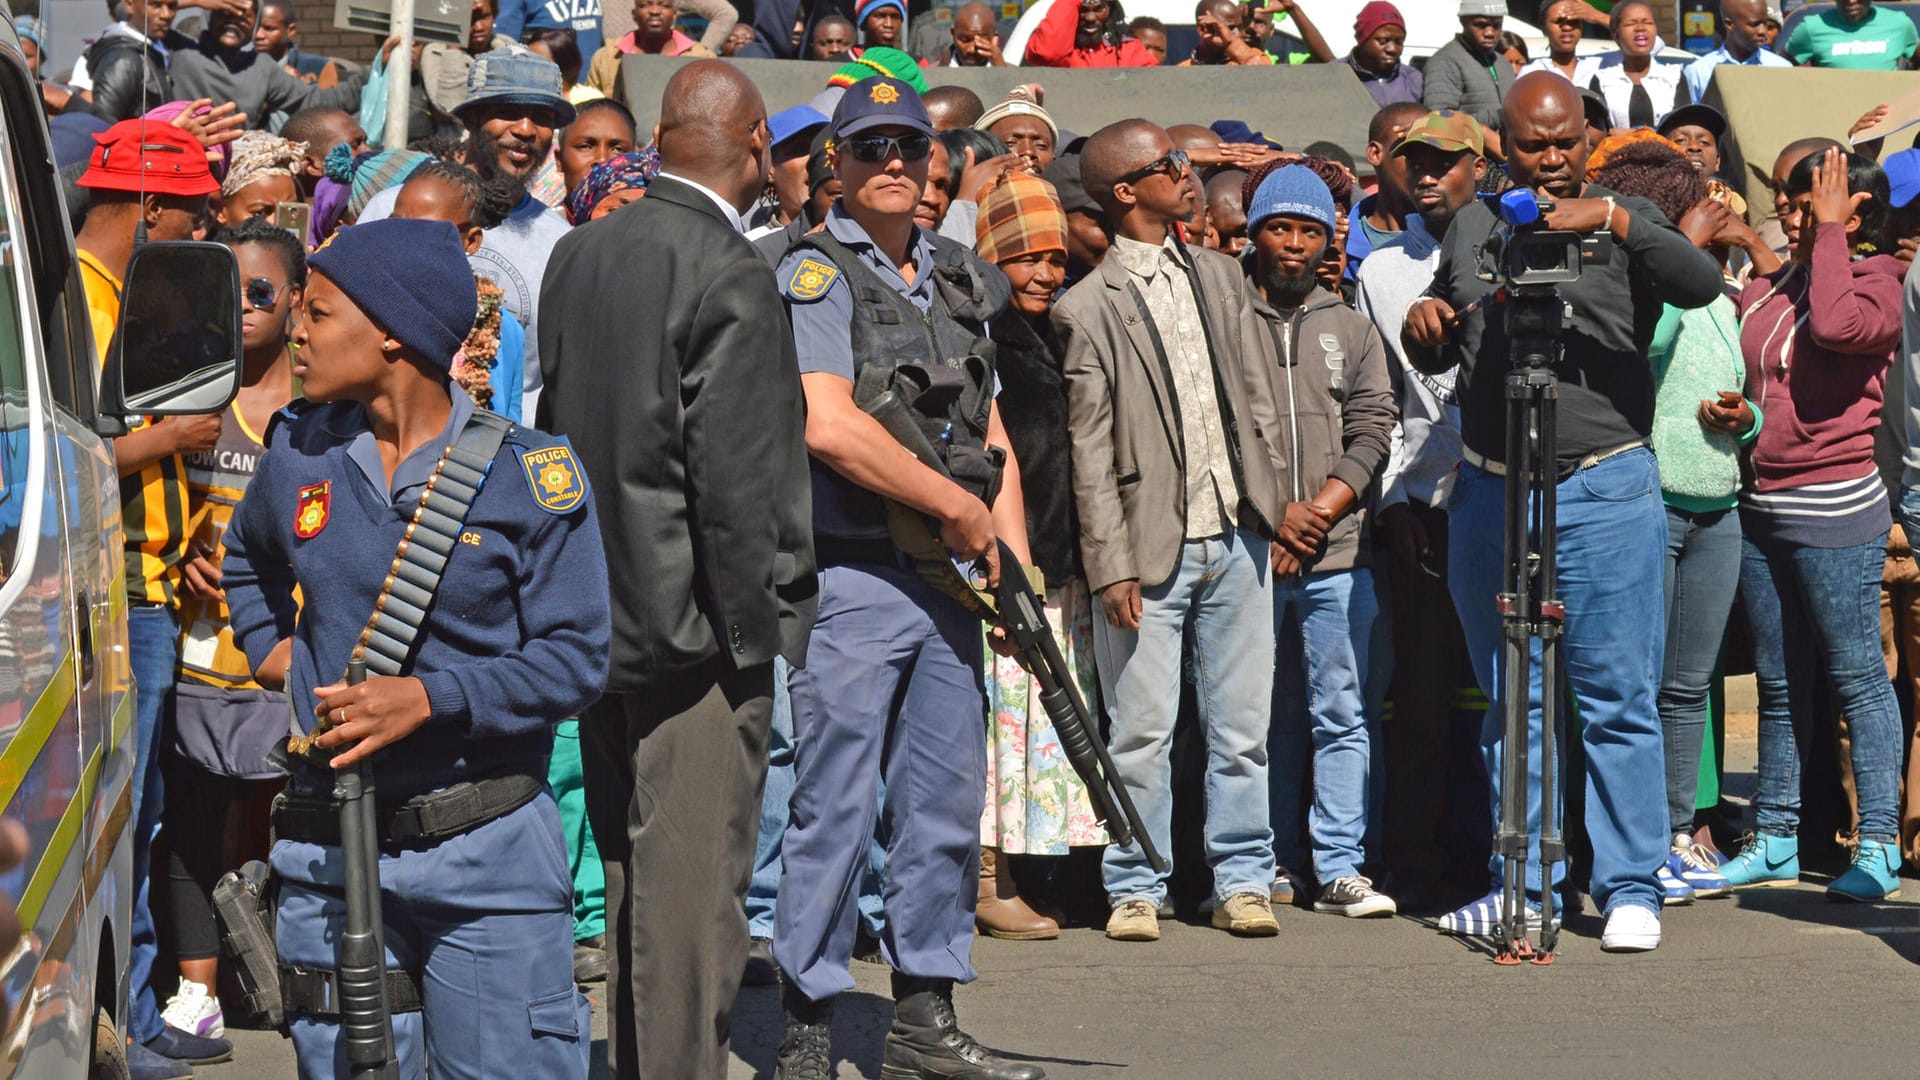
{"x": 1431, "y": 322}
{"x": 1705, "y": 222}
{"x": 200, "y": 573}
{"x": 211, "y": 125}
{"x": 1832, "y": 203}
{"x": 376, "y": 713}
{"x": 1304, "y": 528}
{"x": 192, "y": 434}
{"x": 1121, "y": 602}
{"x": 977, "y": 175}
{"x": 1285, "y": 564}
{"x": 1730, "y": 415}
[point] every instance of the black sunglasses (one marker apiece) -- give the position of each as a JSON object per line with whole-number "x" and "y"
{"x": 913, "y": 146}
{"x": 1173, "y": 166}
{"x": 260, "y": 293}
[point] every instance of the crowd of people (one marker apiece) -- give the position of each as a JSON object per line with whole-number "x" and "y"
{"x": 770, "y": 393}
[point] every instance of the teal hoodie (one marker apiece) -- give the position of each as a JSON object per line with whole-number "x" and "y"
{"x": 1696, "y": 354}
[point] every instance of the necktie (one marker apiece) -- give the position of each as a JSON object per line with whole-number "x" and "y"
{"x": 1639, "y": 107}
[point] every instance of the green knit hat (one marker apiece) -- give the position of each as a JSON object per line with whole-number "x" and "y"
{"x": 881, "y": 60}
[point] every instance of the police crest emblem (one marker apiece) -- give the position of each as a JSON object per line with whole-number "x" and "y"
{"x": 312, "y": 509}
{"x": 554, "y": 477}
{"x": 811, "y": 279}
{"x": 884, "y": 94}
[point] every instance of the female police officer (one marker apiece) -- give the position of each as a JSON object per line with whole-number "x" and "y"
{"x": 478, "y": 905}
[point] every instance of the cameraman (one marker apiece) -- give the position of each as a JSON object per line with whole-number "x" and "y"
{"x": 1611, "y": 539}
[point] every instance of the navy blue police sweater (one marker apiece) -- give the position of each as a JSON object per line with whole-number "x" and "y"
{"x": 517, "y": 639}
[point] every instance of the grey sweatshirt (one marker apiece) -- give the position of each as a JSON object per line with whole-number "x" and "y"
{"x": 253, "y": 81}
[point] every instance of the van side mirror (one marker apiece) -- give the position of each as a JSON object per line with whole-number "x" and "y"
{"x": 177, "y": 347}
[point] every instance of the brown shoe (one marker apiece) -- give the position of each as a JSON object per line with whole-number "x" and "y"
{"x": 1000, "y": 912}
{"x": 1135, "y": 920}
{"x": 1248, "y": 914}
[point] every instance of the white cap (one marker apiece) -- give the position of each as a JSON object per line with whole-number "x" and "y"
{"x": 1470, "y": 9}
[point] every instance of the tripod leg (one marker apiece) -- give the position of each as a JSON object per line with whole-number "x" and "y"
{"x": 1510, "y": 839}
{"x": 1549, "y": 624}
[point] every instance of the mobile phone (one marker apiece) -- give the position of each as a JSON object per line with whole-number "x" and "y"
{"x": 295, "y": 217}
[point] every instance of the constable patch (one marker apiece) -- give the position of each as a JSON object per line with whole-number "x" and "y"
{"x": 811, "y": 279}
{"x": 554, "y": 477}
{"x": 884, "y": 94}
{"x": 311, "y": 512}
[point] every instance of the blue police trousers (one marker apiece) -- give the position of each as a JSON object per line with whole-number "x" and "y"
{"x": 891, "y": 690}
{"x": 485, "y": 919}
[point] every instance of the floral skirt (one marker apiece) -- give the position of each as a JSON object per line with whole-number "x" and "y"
{"x": 1036, "y": 804}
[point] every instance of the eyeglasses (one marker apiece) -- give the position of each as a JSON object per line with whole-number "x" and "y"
{"x": 260, "y": 293}
{"x": 913, "y": 146}
{"x": 1173, "y": 167}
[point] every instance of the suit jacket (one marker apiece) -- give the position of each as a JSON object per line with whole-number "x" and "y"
{"x": 663, "y": 347}
{"x": 1129, "y": 467}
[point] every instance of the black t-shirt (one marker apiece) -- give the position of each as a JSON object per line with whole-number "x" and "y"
{"x": 1606, "y": 382}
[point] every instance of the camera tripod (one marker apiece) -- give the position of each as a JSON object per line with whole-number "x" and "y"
{"x": 1530, "y": 609}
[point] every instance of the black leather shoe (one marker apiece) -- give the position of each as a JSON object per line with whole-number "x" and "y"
{"x": 193, "y": 1049}
{"x": 590, "y": 960}
{"x": 761, "y": 970}
{"x": 806, "y": 1049}
{"x": 926, "y": 1042}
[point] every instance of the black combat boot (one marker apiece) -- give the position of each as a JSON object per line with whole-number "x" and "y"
{"x": 806, "y": 1050}
{"x": 926, "y": 1042}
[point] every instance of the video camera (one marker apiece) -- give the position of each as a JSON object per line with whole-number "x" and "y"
{"x": 1524, "y": 255}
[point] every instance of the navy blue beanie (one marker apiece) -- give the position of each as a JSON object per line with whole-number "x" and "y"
{"x": 410, "y": 277}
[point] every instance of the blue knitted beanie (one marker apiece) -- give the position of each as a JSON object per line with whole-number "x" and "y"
{"x": 410, "y": 277}
{"x": 1294, "y": 191}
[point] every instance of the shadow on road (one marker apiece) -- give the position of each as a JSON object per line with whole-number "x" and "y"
{"x": 1896, "y": 924}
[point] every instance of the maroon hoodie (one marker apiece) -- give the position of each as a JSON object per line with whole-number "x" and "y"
{"x": 1818, "y": 340}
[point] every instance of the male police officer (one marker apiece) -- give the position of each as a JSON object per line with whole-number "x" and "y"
{"x": 893, "y": 672}
{"x": 478, "y": 898}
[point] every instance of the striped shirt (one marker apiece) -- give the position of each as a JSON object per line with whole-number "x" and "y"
{"x": 153, "y": 501}
{"x": 1838, "y": 513}
{"x": 216, "y": 479}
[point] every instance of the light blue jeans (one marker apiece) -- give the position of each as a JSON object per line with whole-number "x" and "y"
{"x": 153, "y": 651}
{"x": 1221, "y": 589}
{"x": 1324, "y": 625}
{"x": 1612, "y": 550}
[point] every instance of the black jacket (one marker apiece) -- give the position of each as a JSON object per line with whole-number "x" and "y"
{"x": 120, "y": 65}
{"x": 674, "y": 375}
{"x": 1033, "y": 408}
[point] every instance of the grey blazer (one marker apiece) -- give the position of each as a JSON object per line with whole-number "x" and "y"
{"x": 1129, "y": 468}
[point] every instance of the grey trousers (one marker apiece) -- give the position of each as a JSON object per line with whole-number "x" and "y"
{"x": 673, "y": 779}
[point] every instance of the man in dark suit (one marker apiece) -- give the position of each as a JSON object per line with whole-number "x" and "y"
{"x": 665, "y": 362}
{"x": 1168, "y": 412}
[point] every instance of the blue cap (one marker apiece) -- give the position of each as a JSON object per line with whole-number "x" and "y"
{"x": 515, "y": 76}
{"x": 799, "y": 120}
{"x": 1903, "y": 176}
{"x": 411, "y": 277}
{"x": 880, "y": 102}
{"x": 1293, "y": 191}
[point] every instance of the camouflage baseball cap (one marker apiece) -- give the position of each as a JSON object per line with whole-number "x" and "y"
{"x": 1447, "y": 130}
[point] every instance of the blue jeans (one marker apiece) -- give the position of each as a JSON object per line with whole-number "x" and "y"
{"x": 1813, "y": 608}
{"x": 1703, "y": 573}
{"x": 1610, "y": 548}
{"x": 1221, "y": 588}
{"x": 1324, "y": 627}
{"x": 153, "y": 651}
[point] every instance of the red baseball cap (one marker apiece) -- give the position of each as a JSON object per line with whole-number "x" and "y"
{"x": 146, "y": 155}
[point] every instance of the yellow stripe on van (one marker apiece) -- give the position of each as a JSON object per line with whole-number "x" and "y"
{"x": 34, "y": 731}
{"x": 59, "y": 845}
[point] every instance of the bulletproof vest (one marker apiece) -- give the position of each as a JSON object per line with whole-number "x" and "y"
{"x": 939, "y": 363}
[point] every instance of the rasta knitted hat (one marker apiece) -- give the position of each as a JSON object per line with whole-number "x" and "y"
{"x": 880, "y": 61}
{"x": 409, "y": 276}
{"x": 1291, "y": 191}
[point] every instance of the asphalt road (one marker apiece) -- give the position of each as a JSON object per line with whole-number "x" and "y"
{"x": 1776, "y": 983}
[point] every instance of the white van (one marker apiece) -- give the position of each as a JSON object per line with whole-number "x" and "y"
{"x": 66, "y": 694}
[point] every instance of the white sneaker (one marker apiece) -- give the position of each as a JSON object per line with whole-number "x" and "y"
{"x": 1631, "y": 928}
{"x": 195, "y": 1011}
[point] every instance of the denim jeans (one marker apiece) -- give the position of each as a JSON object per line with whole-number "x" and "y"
{"x": 1323, "y": 624}
{"x": 1703, "y": 573}
{"x": 153, "y": 651}
{"x": 1813, "y": 608}
{"x": 1221, "y": 588}
{"x": 1611, "y": 542}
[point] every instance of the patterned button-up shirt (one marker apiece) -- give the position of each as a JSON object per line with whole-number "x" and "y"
{"x": 1161, "y": 275}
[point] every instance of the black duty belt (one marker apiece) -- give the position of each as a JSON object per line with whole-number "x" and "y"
{"x": 839, "y": 551}
{"x": 423, "y": 819}
{"x": 316, "y": 991}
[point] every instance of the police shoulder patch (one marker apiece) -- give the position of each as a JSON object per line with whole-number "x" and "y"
{"x": 554, "y": 477}
{"x": 811, "y": 279}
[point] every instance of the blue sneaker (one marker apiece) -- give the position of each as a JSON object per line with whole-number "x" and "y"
{"x": 1673, "y": 891}
{"x": 1767, "y": 862}
{"x": 1481, "y": 918}
{"x": 144, "y": 1064}
{"x": 192, "y": 1049}
{"x": 1696, "y": 866}
{"x": 1874, "y": 875}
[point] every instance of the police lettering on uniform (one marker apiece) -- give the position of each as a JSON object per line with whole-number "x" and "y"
{"x": 511, "y": 639}
{"x": 893, "y": 671}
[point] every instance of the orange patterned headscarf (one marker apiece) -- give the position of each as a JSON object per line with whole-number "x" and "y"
{"x": 1612, "y": 144}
